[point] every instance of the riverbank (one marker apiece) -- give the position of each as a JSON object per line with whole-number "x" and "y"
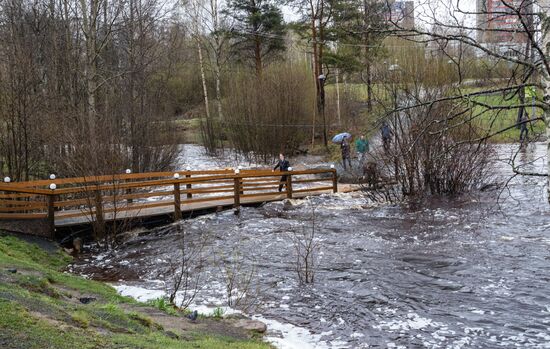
{"x": 44, "y": 307}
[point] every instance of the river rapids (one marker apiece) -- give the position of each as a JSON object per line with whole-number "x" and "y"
{"x": 468, "y": 272}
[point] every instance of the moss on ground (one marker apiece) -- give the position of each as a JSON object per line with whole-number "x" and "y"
{"x": 40, "y": 308}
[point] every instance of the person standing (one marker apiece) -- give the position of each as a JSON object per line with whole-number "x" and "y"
{"x": 346, "y": 153}
{"x": 524, "y": 131}
{"x": 283, "y": 166}
{"x": 387, "y": 133}
{"x": 362, "y": 147}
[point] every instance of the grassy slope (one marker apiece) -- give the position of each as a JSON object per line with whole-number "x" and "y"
{"x": 39, "y": 309}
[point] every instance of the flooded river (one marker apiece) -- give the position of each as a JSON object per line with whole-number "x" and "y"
{"x": 472, "y": 272}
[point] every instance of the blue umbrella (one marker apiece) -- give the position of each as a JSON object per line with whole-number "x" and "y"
{"x": 339, "y": 138}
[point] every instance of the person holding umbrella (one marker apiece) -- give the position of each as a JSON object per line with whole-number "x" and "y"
{"x": 283, "y": 166}
{"x": 343, "y": 140}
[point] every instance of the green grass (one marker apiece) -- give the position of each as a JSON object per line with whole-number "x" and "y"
{"x": 492, "y": 121}
{"x": 488, "y": 123}
{"x": 39, "y": 309}
{"x": 162, "y": 304}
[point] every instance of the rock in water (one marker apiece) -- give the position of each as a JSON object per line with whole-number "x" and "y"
{"x": 289, "y": 204}
{"x": 251, "y": 325}
{"x": 77, "y": 244}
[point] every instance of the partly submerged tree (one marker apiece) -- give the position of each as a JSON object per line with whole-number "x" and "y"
{"x": 258, "y": 31}
{"x": 512, "y": 35}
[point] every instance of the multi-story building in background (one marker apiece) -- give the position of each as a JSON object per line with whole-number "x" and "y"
{"x": 498, "y": 21}
{"x": 401, "y": 13}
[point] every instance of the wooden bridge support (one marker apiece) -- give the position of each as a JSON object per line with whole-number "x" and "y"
{"x": 177, "y": 202}
{"x": 334, "y": 181}
{"x": 51, "y": 215}
{"x": 237, "y": 193}
{"x": 188, "y": 186}
{"x": 99, "y": 218}
{"x": 289, "y": 186}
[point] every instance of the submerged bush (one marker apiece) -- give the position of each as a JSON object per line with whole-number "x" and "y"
{"x": 435, "y": 147}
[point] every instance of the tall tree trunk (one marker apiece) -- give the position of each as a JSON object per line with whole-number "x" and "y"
{"x": 89, "y": 18}
{"x": 545, "y": 80}
{"x": 367, "y": 55}
{"x": 315, "y": 62}
{"x": 258, "y": 56}
{"x": 369, "y": 84}
{"x": 338, "y": 96}
{"x": 217, "y": 54}
{"x": 322, "y": 83}
{"x": 218, "y": 91}
{"x": 203, "y": 79}
{"x": 546, "y": 97}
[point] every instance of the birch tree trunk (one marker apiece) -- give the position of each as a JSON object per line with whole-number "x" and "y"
{"x": 196, "y": 35}
{"x": 203, "y": 78}
{"x": 545, "y": 77}
{"x": 217, "y": 54}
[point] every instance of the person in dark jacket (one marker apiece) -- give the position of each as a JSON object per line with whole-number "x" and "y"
{"x": 387, "y": 134}
{"x": 283, "y": 166}
{"x": 524, "y": 132}
{"x": 346, "y": 154}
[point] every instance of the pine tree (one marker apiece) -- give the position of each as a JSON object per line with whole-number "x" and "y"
{"x": 257, "y": 32}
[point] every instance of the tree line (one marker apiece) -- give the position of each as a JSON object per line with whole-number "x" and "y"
{"x": 97, "y": 86}
{"x": 90, "y": 86}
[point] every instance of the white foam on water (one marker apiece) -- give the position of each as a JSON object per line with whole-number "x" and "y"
{"x": 291, "y": 336}
{"x": 338, "y": 344}
{"x": 413, "y": 322}
{"x": 143, "y": 295}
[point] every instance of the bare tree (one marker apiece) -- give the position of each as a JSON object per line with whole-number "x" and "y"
{"x": 239, "y": 277}
{"x": 525, "y": 59}
{"x": 306, "y": 247}
{"x": 186, "y": 270}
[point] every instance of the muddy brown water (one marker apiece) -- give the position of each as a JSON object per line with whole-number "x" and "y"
{"x": 466, "y": 272}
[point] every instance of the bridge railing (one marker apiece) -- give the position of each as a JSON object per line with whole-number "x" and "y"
{"x": 125, "y": 196}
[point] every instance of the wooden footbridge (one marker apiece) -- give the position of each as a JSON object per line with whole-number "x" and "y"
{"x": 39, "y": 207}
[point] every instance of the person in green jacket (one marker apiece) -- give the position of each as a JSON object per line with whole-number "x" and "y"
{"x": 362, "y": 147}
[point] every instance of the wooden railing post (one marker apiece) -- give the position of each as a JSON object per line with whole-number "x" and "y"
{"x": 289, "y": 186}
{"x": 129, "y": 192}
{"x": 334, "y": 181}
{"x": 177, "y": 201}
{"x": 237, "y": 192}
{"x": 188, "y": 187}
{"x": 51, "y": 215}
